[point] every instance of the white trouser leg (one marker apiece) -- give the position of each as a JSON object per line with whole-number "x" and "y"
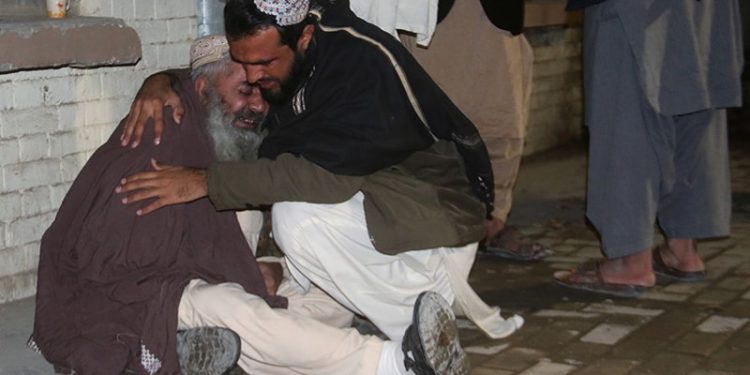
{"x": 251, "y": 223}
{"x": 329, "y": 245}
{"x": 278, "y": 341}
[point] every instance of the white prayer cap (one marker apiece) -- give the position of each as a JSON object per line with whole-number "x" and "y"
{"x": 287, "y": 12}
{"x": 208, "y": 49}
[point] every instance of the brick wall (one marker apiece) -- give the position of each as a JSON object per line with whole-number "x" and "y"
{"x": 52, "y": 120}
{"x": 556, "y": 110}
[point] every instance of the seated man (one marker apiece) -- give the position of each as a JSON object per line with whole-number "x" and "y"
{"x": 114, "y": 289}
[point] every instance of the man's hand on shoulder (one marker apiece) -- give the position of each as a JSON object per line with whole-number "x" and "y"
{"x": 168, "y": 184}
{"x": 155, "y": 94}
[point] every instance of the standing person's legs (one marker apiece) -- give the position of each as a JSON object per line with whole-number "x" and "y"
{"x": 504, "y": 132}
{"x": 504, "y": 135}
{"x": 329, "y": 245}
{"x": 277, "y": 341}
{"x": 494, "y": 92}
{"x": 698, "y": 202}
{"x": 626, "y": 161}
{"x": 624, "y": 170}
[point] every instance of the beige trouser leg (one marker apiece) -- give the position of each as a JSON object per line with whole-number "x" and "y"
{"x": 491, "y": 85}
{"x": 315, "y": 304}
{"x": 281, "y": 341}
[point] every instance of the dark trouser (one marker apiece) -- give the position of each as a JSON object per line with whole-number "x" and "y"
{"x": 646, "y": 167}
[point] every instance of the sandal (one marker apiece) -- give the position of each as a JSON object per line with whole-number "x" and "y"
{"x": 673, "y": 274}
{"x": 508, "y": 244}
{"x": 588, "y": 277}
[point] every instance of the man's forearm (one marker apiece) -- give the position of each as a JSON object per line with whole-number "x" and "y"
{"x": 238, "y": 185}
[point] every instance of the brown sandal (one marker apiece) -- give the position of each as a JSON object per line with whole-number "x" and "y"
{"x": 588, "y": 277}
{"x": 670, "y": 273}
{"x": 522, "y": 251}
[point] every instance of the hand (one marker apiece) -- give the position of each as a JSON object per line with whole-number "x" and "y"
{"x": 272, "y": 275}
{"x": 155, "y": 94}
{"x": 169, "y": 184}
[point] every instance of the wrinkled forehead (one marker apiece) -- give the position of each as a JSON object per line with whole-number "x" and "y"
{"x": 222, "y": 77}
{"x": 232, "y": 88}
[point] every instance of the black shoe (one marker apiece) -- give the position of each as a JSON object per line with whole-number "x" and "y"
{"x": 207, "y": 350}
{"x": 430, "y": 344}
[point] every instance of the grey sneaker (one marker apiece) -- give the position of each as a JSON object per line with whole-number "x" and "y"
{"x": 430, "y": 344}
{"x": 207, "y": 350}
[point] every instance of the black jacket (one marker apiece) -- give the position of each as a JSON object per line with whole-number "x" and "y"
{"x": 504, "y": 14}
{"x": 355, "y": 116}
{"x": 580, "y": 4}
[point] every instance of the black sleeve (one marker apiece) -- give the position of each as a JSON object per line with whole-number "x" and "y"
{"x": 446, "y": 121}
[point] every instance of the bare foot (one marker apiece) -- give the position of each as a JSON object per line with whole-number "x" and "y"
{"x": 590, "y": 277}
{"x": 508, "y": 243}
{"x": 632, "y": 269}
{"x": 493, "y": 227}
{"x": 681, "y": 254}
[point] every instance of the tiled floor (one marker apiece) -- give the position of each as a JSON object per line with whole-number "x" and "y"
{"x": 692, "y": 329}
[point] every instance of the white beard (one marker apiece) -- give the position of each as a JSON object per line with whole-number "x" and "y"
{"x": 231, "y": 143}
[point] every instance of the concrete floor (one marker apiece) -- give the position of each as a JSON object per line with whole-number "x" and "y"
{"x": 673, "y": 329}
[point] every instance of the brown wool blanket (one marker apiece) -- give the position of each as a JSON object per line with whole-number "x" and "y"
{"x": 110, "y": 282}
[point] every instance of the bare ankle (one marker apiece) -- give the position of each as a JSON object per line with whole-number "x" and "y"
{"x": 631, "y": 269}
{"x": 681, "y": 247}
{"x": 493, "y": 227}
{"x": 682, "y": 254}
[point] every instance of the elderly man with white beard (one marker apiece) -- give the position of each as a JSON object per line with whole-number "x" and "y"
{"x": 108, "y": 293}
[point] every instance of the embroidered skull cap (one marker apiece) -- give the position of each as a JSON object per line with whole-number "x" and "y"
{"x": 287, "y": 12}
{"x": 208, "y": 49}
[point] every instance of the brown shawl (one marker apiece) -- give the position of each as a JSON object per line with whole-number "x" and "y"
{"x": 110, "y": 282}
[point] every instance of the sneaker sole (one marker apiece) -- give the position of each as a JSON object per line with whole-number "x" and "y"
{"x": 207, "y": 350}
{"x": 438, "y": 333}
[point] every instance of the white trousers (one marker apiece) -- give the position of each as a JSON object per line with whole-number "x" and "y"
{"x": 328, "y": 245}
{"x": 307, "y": 338}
